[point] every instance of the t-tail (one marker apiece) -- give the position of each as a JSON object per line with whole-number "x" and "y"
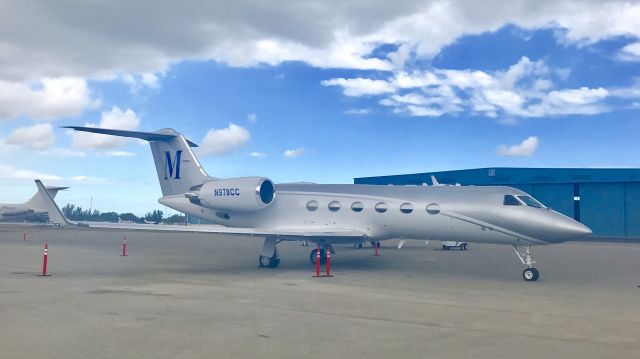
{"x": 177, "y": 167}
{"x": 45, "y": 200}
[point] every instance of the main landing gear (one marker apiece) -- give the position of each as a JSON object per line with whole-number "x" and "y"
{"x": 524, "y": 254}
{"x": 268, "y": 257}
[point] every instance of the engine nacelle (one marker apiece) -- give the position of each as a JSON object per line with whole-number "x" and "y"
{"x": 242, "y": 194}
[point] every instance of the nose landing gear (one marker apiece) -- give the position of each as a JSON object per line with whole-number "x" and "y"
{"x": 530, "y": 274}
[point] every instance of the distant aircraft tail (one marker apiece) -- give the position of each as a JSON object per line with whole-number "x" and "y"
{"x": 177, "y": 167}
{"x": 44, "y": 201}
{"x": 36, "y": 201}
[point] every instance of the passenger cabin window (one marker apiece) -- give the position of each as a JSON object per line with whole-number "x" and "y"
{"x": 531, "y": 202}
{"x": 406, "y": 208}
{"x": 357, "y": 206}
{"x": 381, "y": 207}
{"x": 510, "y": 200}
{"x": 334, "y": 206}
{"x": 312, "y": 205}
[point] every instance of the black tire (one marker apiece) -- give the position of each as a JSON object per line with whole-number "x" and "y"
{"x": 445, "y": 248}
{"x": 357, "y": 245}
{"x": 269, "y": 262}
{"x": 530, "y": 274}
{"x": 465, "y": 246}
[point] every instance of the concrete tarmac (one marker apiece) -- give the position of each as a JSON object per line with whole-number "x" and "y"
{"x": 202, "y": 296}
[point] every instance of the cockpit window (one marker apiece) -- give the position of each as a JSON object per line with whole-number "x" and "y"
{"x": 531, "y": 202}
{"x": 510, "y": 200}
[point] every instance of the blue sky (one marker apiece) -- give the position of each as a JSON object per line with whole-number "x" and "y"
{"x": 369, "y": 90}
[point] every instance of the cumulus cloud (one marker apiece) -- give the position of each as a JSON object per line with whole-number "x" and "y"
{"x": 137, "y": 82}
{"x": 91, "y": 41}
{"x": 38, "y": 137}
{"x": 221, "y": 141}
{"x": 9, "y": 172}
{"x": 294, "y": 153}
{"x": 258, "y": 154}
{"x": 525, "y": 149}
{"x": 630, "y": 52}
{"x": 46, "y": 99}
{"x": 115, "y": 119}
{"x": 525, "y": 89}
{"x": 360, "y": 86}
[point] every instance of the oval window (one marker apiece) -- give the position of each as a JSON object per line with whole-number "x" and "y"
{"x": 312, "y": 205}
{"x": 334, "y": 206}
{"x": 433, "y": 208}
{"x": 381, "y": 207}
{"x": 406, "y": 208}
{"x": 357, "y": 206}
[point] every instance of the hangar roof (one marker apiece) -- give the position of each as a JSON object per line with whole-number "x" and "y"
{"x": 511, "y": 175}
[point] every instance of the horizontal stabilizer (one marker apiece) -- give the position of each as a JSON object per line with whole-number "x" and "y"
{"x": 166, "y": 134}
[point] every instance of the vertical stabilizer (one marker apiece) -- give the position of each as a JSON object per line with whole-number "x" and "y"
{"x": 177, "y": 167}
{"x": 47, "y": 204}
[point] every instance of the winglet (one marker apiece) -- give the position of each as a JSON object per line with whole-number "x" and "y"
{"x": 55, "y": 214}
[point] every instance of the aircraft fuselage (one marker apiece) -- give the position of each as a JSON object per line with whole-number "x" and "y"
{"x": 464, "y": 213}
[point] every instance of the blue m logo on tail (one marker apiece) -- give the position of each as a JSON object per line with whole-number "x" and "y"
{"x": 172, "y": 165}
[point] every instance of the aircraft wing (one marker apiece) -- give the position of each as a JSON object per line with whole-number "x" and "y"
{"x": 294, "y": 234}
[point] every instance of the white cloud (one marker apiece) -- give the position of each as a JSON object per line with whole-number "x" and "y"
{"x": 138, "y": 82}
{"x": 630, "y": 52}
{"x": 100, "y": 41}
{"x": 63, "y": 152}
{"x": 222, "y": 141}
{"x": 47, "y": 99}
{"x": 293, "y": 153}
{"x": 360, "y": 86}
{"x": 38, "y": 137}
{"x": 10, "y": 172}
{"x": 118, "y": 154}
{"x": 525, "y": 149}
{"x": 258, "y": 154}
{"x": 357, "y": 111}
{"x": 525, "y": 89}
{"x": 252, "y": 117}
{"x": 91, "y": 180}
{"x": 114, "y": 119}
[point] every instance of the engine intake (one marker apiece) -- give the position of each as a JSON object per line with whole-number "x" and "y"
{"x": 234, "y": 194}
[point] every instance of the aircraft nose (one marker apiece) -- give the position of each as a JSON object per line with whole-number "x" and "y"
{"x": 567, "y": 229}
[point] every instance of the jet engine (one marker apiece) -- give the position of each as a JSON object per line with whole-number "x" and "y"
{"x": 242, "y": 194}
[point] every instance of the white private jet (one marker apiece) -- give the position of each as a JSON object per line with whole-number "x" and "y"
{"x": 38, "y": 208}
{"x": 329, "y": 214}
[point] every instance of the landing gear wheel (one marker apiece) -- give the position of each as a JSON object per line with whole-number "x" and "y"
{"x": 465, "y": 246}
{"x": 530, "y": 274}
{"x": 357, "y": 245}
{"x": 445, "y": 248}
{"x": 313, "y": 256}
{"x": 268, "y": 262}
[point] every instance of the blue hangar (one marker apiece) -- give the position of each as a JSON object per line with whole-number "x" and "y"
{"x": 607, "y": 200}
